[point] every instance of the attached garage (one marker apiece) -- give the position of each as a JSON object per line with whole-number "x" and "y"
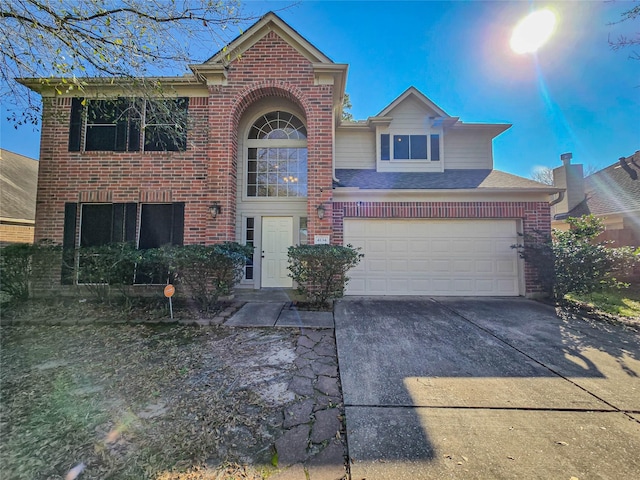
{"x": 434, "y": 257}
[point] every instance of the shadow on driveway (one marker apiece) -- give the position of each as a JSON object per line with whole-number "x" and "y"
{"x": 485, "y": 388}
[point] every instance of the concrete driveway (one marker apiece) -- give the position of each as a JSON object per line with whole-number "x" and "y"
{"x": 485, "y": 388}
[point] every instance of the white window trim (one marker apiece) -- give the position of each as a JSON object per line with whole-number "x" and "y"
{"x": 409, "y": 165}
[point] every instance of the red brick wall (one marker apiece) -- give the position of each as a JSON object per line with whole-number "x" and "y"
{"x": 66, "y": 176}
{"x": 206, "y": 171}
{"x": 535, "y": 217}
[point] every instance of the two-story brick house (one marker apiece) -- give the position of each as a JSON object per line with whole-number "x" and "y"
{"x": 262, "y": 156}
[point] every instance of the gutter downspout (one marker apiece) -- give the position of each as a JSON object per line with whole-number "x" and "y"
{"x": 557, "y": 200}
{"x": 333, "y": 152}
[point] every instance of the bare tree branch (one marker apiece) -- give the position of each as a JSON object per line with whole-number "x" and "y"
{"x": 123, "y": 39}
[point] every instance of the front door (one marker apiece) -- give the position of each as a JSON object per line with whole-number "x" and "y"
{"x": 277, "y": 237}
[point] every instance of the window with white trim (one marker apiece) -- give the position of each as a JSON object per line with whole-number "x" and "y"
{"x": 409, "y": 147}
{"x": 277, "y": 156}
{"x": 128, "y": 125}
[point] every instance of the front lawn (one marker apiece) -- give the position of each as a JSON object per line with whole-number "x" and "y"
{"x": 623, "y": 303}
{"x": 139, "y": 401}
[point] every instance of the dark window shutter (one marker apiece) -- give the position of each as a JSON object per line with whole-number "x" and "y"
{"x": 69, "y": 243}
{"x": 130, "y": 219}
{"x": 117, "y": 225}
{"x": 435, "y": 148}
{"x": 384, "y": 146}
{"x": 122, "y": 128}
{"x": 75, "y": 124}
{"x": 134, "y": 135}
{"x": 178, "y": 224}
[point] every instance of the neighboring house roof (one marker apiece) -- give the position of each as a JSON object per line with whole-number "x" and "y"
{"x": 449, "y": 179}
{"x": 614, "y": 189}
{"x": 18, "y": 185}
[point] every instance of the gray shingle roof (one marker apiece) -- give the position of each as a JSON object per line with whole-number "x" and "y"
{"x": 613, "y": 189}
{"x": 18, "y": 184}
{"x": 447, "y": 180}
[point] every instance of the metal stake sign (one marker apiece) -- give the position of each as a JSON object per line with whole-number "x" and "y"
{"x": 169, "y": 290}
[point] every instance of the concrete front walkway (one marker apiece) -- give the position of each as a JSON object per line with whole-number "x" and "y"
{"x": 475, "y": 388}
{"x": 274, "y": 308}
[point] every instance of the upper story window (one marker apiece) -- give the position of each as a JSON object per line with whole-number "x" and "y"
{"x": 278, "y": 126}
{"x": 410, "y": 147}
{"x": 126, "y": 124}
{"x": 277, "y": 156}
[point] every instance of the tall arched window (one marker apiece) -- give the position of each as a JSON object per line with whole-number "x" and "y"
{"x": 277, "y": 156}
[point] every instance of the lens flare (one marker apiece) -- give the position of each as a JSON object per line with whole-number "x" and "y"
{"x": 533, "y": 31}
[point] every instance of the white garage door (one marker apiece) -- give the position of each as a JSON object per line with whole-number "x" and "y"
{"x": 433, "y": 257}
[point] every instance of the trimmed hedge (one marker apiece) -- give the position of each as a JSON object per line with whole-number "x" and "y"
{"x": 320, "y": 271}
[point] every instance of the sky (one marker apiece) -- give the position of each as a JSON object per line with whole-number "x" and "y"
{"x": 575, "y": 94}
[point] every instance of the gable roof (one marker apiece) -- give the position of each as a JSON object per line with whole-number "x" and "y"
{"x": 481, "y": 179}
{"x": 412, "y": 91}
{"x": 614, "y": 189}
{"x": 268, "y": 22}
{"x": 18, "y": 185}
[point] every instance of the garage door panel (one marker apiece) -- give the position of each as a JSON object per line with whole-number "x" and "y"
{"x": 460, "y": 266}
{"x": 434, "y": 257}
{"x": 440, "y": 246}
{"x": 376, "y": 266}
{"x": 440, "y": 265}
{"x": 418, "y": 266}
{"x": 484, "y": 266}
{"x": 506, "y": 267}
{"x": 398, "y": 266}
{"x": 460, "y": 246}
{"x": 398, "y": 246}
{"x": 376, "y": 246}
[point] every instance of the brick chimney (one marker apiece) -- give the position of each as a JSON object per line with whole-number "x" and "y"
{"x": 571, "y": 178}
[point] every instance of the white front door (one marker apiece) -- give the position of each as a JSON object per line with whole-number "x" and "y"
{"x": 277, "y": 237}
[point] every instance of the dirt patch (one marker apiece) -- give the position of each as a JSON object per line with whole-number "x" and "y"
{"x": 143, "y": 401}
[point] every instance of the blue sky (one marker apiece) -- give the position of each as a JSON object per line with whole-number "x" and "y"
{"x": 574, "y": 95}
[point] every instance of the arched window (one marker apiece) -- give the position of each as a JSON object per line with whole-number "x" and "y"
{"x": 277, "y": 156}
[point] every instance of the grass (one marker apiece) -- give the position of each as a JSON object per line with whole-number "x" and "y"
{"x": 132, "y": 401}
{"x": 623, "y": 303}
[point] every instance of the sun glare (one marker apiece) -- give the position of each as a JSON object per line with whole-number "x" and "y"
{"x": 533, "y": 31}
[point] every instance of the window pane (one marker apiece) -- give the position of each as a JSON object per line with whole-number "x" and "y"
{"x": 166, "y": 125}
{"x": 435, "y": 148}
{"x": 418, "y": 147}
{"x": 401, "y": 147}
{"x": 303, "y": 231}
{"x": 384, "y": 146}
{"x": 96, "y": 225}
{"x": 100, "y": 137}
{"x": 156, "y": 225}
{"x": 278, "y": 125}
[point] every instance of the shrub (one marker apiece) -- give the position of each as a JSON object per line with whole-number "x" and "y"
{"x": 21, "y": 264}
{"x": 103, "y": 267}
{"x": 571, "y": 261}
{"x": 210, "y": 271}
{"x": 320, "y": 271}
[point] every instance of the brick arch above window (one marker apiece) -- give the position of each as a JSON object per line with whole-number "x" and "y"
{"x": 261, "y": 90}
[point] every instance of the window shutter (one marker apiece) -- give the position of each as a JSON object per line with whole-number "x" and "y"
{"x": 178, "y": 224}
{"x": 384, "y": 146}
{"x": 121, "y": 136}
{"x": 75, "y": 124}
{"x": 68, "y": 243}
{"x": 117, "y": 225}
{"x": 130, "y": 219}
